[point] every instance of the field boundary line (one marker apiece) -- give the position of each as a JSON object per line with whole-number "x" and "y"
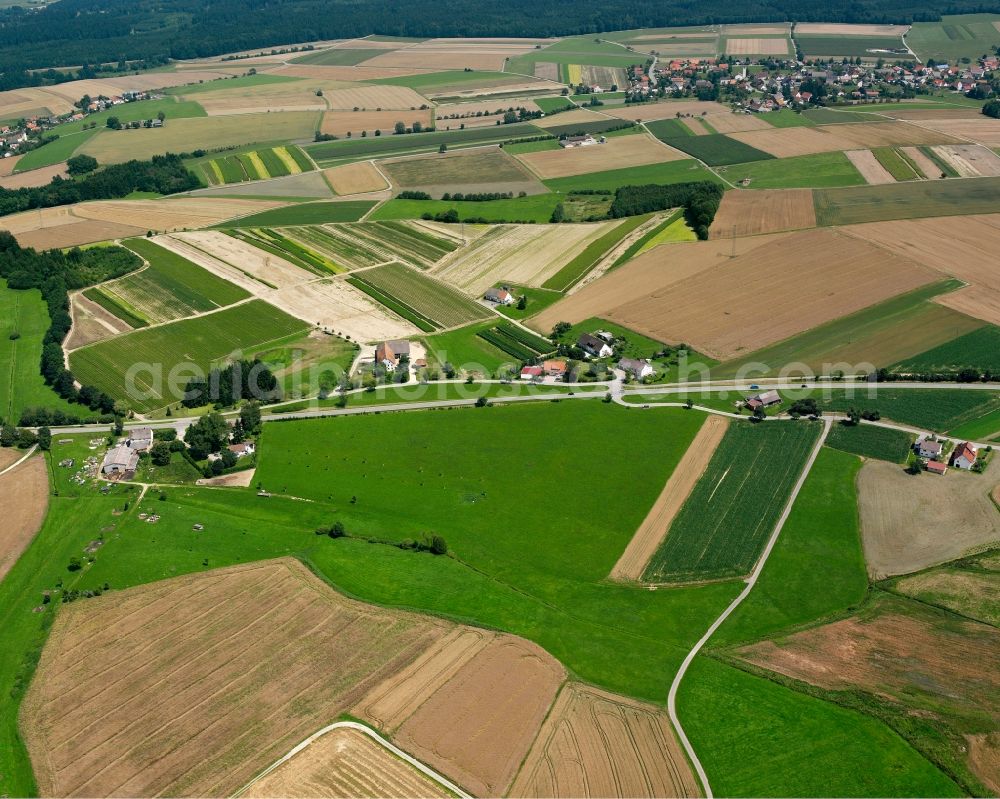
{"x": 353, "y": 725}
{"x": 21, "y": 460}
{"x": 750, "y": 583}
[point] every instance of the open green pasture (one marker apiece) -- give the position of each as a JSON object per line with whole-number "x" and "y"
{"x": 978, "y": 349}
{"x": 669, "y": 172}
{"x": 337, "y": 56}
{"x": 821, "y": 170}
{"x": 954, "y": 37}
{"x": 852, "y": 46}
{"x": 882, "y": 334}
{"x": 721, "y": 528}
{"x": 533, "y": 208}
{"x": 911, "y": 200}
{"x": 202, "y": 341}
{"x": 467, "y": 351}
{"x": 937, "y": 409}
{"x": 21, "y": 386}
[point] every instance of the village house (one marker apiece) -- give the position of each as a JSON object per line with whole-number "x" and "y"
{"x": 244, "y": 449}
{"x": 120, "y": 461}
{"x": 554, "y": 368}
{"x": 499, "y": 296}
{"x": 390, "y": 353}
{"x": 140, "y": 439}
{"x": 637, "y": 368}
{"x": 763, "y": 400}
{"x": 935, "y": 467}
{"x": 928, "y": 448}
{"x": 531, "y": 372}
{"x": 594, "y": 346}
{"x": 964, "y": 456}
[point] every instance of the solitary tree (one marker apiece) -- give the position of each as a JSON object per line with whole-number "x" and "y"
{"x": 114, "y": 123}
{"x": 44, "y": 438}
{"x": 159, "y": 454}
{"x": 439, "y": 546}
{"x": 399, "y": 127}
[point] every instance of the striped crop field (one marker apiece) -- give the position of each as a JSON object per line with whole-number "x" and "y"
{"x": 432, "y": 301}
{"x": 722, "y": 526}
{"x": 152, "y": 353}
{"x": 271, "y": 162}
{"x": 169, "y": 288}
{"x": 359, "y": 244}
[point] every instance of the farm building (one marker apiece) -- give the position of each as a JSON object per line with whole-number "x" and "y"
{"x": 242, "y": 450}
{"x": 120, "y": 461}
{"x": 140, "y": 439}
{"x": 763, "y": 400}
{"x": 577, "y": 141}
{"x": 928, "y": 448}
{"x": 594, "y": 346}
{"x": 935, "y": 467}
{"x": 635, "y": 367}
{"x": 531, "y": 372}
{"x": 964, "y": 456}
{"x": 389, "y": 353}
{"x": 499, "y": 296}
{"x": 554, "y": 368}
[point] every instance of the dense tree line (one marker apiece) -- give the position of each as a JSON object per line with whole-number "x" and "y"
{"x": 240, "y": 380}
{"x": 114, "y": 31}
{"x": 55, "y": 274}
{"x": 699, "y": 199}
{"x": 164, "y": 174}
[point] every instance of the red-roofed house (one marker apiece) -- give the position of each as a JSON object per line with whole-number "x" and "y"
{"x": 554, "y": 368}
{"x": 964, "y": 456}
{"x": 531, "y": 372}
{"x": 936, "y": 467}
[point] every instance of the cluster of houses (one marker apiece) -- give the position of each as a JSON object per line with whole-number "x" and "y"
{"x": 964, "y": 456}
{"x": 13, "y": 137}
{"x": 776, "y": 84}
{"x": 121, "y": 461}
{"x": 597, "y": 345}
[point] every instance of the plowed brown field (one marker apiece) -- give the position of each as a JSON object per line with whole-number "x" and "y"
{"x": 344, "y": 763}
{"x": 359, "y": 178}
{"x": 653, "y": 529}
{"x": 617, "y": 153}
{"x": 748, "y": 213}
{"x": 789, "y": 142}
{"x": 981, "y": 129}
{"x": 597, "y": 744}
{"x": 340, "y": 123}
{"x": 33, "y": 177}
{"x": 868, "y": 165}
{"x": 478, "y": 726}
{"x": 25, "y": 492}
{"x": 193, "y": 685}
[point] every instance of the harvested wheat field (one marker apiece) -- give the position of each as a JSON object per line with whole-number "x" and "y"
{"x": 789, "y": 142}
{"x": 976, "y": 301}
{"x": 749, "y": 213}
{"x": 261, "y": 98}
{"x": 171, "y": 214}
{"x": 925, "y": 662}
{"x": 350, "y": 74}
{"x": 901, "y": 525}
{"x": 394, "y": 98}
{"x": 970, "y": 160}
{"x": 337, "y": 306}
{"x": 771, "y": 293}
{"x": 871, "y": 170}
{"x": 737, "y": 123}
{"x": 758, "y": 46}
{"x": 981, "y": 129}
{"x": 756, "y": 29}
{"x": 359, "y": 178}
{"x": 339, "y": 123}
{"x": 25, "y": 490}
{"x": 477, "y": 727}
{"x": 616, "y": 153}
{"x": 653, "y": 529}
{"x": 9, "y": 456}
{"x": 487, "y": 169}
{"x": 73, "y": 233}
{"x": 646, "y": 274}
{"x": 666, "y": 109}
{"x": 199, "y": 682}
{"x": 526, "y": 255}
{"x": 33, "y": 177}
{"x": 91, "y": 323}
{"x": 303, "y": 184}
{"x": 344, "y": 763}
{"x": 599, "y": 744}
{"x": 7, "y": 165}
{"x": 35, "y": 102}
{"x": 575, "y": 116}
{"x": 900, "y": 111}
{"x": 924, "y": 164}
{"x": 840, "y": 29}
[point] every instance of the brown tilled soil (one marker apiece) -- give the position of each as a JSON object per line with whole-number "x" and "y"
{"x": 344, "y": 763}
{"x": 971, "y": 160}
{"x": 771, "y": 293}
{"x": 25, "y": 492}
{"x": 981, "y": 129}
{"x": 597, "y": 744}
{"x": 193, "y": 685}
{"x": 478, "y": 726}
{"x": 423, "y": 59}
{"x": 924, "y": 164}
{"x": 732, "y": 123}
{"x": 91, "y": 323}
{"x": 750, "y": 212}
{"x": 653, "y": 529}
{"x": 617, "y": 153}
{"x": 975, "y": 301}
{"x": 758, "y": 46}
{"x": 789, "y": 142}
{"x": 34, "y": 177}
{"x": 236, "y": 479}
{"x": 842, "y": 29}
{"x": 9, "y": 455}
{"x": 984, "y": 759}
{"x": 871, "y": 170}
{"x": 911, "y": 522}
{"x": 340, "y": 123}
{"x": 7, "y": 164}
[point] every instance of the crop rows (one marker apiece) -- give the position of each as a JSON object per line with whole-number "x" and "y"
{"x": 294, "y": 251}
{"x": 396, "y": 306}
{"x": 516, "y": 341}
{"x": 507, "y": 344}
{"x": 202, "y": 341}
{"x": 362, "y": 244}
{"x": 273, "y": 162}
{"x": 721, "y": 528}
{"x": 434, "y": 301}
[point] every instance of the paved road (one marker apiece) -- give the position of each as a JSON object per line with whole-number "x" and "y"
{"x": 353, "y": 725}
{"x": 751, "y": 582}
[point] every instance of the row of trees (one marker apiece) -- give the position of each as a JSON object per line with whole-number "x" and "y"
{"x": 230, "y": 384}
{"x": 163, "y": 174}
{"x": 699, "y": 199}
